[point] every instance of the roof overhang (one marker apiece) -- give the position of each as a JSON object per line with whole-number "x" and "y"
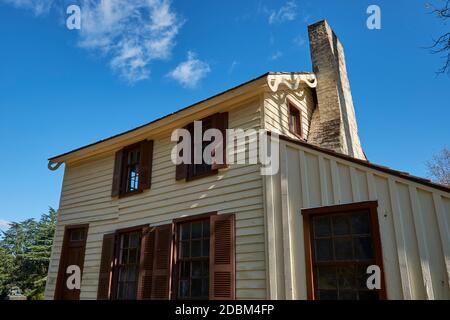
{"x": 180, "y": 118}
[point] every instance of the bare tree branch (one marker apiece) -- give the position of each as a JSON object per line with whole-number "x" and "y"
{"x": 439, "y": 167}
{"x": 442, "y": 44}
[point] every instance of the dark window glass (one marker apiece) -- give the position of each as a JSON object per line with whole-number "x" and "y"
{"x": 342, "y": 251}
{"x": 200, "y": 169}
{"x": 128, "y": 266}
{"x": 295, "y": 120}
{"x": 132, "y": 170}
{"x": 193, "y": 270}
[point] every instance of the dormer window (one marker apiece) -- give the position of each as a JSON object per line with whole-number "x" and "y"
{"x": 295, "y": 120}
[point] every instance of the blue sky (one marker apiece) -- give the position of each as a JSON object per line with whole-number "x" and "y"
{"x": 61, "y": 89}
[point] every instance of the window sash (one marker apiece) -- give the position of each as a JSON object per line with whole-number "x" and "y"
{"x": 310, "y": 236}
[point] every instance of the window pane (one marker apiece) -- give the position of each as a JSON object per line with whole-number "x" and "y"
{"x": 196, "y": 269}
{"x": 363, "y": 248}
{"x": 205, "y": 248}
{"x": 132, "y": 274}
{"x": 205, "y": 269}
{"x": 124, "y": 256}
{"x": 133, "y": 256}
{"x": 347, "y": 295}
{"x": 196, "y": 250}
{"x": 185, "y": 249}
{"x": 206, "y": 228}
{"x": 360, "y": 223}
{"x": 341, "y": 225}
{"x": 343, "y": 248}
{"x": 205, "y": 287}
{"x": 368, "y": 295}
{"x": 327, "y": 295}
{"x": 196, "y": 288}
{"x": 196, "y": 230}
{"x": 185, "y": 231}
{"x": 125, "y": 241}
{"x": 184, "y": 288}
{"x": 327, "y": 277}
{"x": 185, "y": 270}
{"x": 361, "y": 277}
{"x": 322, "y": 227}
{"x": 134, "y": 240}
{"x": 323, "y": 250}
{"x": 346, "y": 277}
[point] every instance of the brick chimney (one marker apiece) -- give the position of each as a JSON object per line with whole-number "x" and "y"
{"x": 333, "y": 123}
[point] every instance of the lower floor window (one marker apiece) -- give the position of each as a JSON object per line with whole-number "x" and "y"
{"x": 193, "y": 260}
{"x": 128, "y": 266}
{"x": 343, "y": 245}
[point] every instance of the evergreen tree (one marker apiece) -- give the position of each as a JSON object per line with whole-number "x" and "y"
{"x": 25, "y": 250}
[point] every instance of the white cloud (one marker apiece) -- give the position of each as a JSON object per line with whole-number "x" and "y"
{"x": 276, "y": 55}
{"x": 4, "y": 225}
{"x": 131, "y": 33}
{"x": 287, "y": 12}
{"x": 39, "y": 7}
{"x": 189, "y": 73}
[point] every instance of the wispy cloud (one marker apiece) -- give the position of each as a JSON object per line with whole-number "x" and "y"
{"x": 287, "y": 12}
{"x": 232, "y": 66}
{"x": 4, "y": 225}
{"x": 39, "y": 7}
{"x": 299, "y": 41}
{"x": 189, "y": 73}
{"x": 277, "y": 55}
{"x": 130, "y": 33}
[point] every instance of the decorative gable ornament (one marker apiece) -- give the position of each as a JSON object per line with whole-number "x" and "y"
{"x": 291, "y": 81}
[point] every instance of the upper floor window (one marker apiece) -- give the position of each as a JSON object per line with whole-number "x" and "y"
{"x": 132, "y": 169}
{"x": 295, "y": 120}
{"x": 196, "y": 170}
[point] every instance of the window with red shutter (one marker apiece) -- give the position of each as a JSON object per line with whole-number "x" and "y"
{"x": 133, "y": 169}
{"x": 193, "y": 171}
{"x": 198, "y": 262}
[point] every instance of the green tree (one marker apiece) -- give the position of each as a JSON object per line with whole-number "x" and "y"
{"x": 25, "y": 253}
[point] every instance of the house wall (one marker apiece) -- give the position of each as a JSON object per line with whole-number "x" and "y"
{"x": 414, "y": 222}
{"x": 276, "y": 110}
{"x": 86, "y": 198}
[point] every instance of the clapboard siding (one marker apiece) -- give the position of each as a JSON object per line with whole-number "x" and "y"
{"x": 86, "y": 198}
{"x": 414, "y": 222}
{"x": 276, "y": 111}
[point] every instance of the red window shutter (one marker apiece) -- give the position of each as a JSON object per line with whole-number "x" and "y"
{"x": 181, "y": 170}
{"x": 117, "y": 174}
{"x": 220, "y": 122}
{"x": 145, "y": 164}
{"x": 146, "y": 267}
{"x": 222, "y": 258}
{"x": 162, "y": 265}
{"x": 106, "y": 267}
